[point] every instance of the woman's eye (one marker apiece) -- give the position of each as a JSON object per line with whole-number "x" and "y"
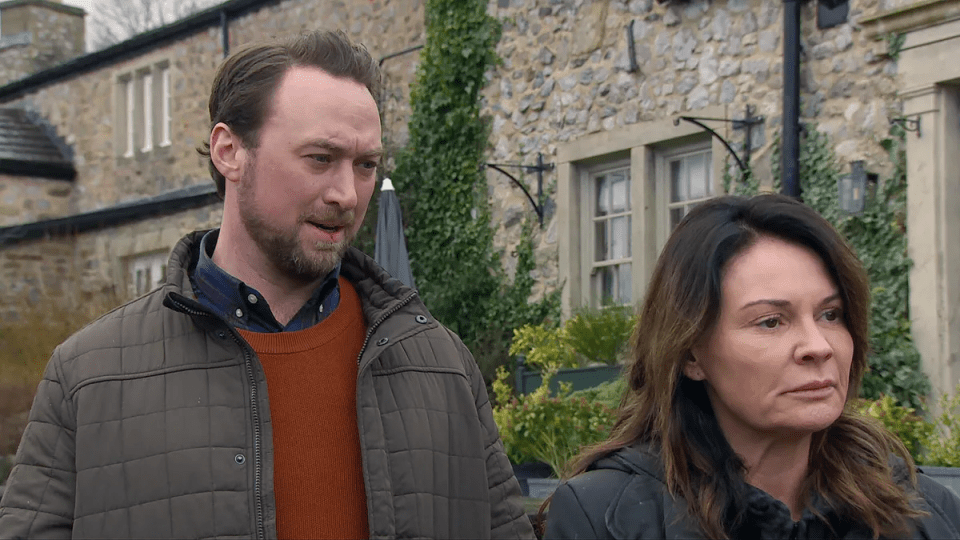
{"x": 832, "y": 315}
{"x": 772, "y": 322}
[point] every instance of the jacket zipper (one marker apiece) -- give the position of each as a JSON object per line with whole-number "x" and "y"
{"x": 366, "y": 340}
{"x": 379, "y": 321}
{"x": 257, "y": 458}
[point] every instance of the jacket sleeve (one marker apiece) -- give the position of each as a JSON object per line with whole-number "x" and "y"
{"x": 507, "y": 516}
{"x": 943, "y": 506}
{"x": 39, "y": 498}
{"x": 566, "y": 517}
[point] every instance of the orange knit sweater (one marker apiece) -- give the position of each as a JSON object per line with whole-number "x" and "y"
{"x": 312, "y": 386}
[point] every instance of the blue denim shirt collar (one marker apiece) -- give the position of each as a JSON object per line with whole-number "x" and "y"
{"x": 244, "y": 307}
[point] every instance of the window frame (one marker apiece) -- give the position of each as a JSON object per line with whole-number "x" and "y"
{"x": 143, "y": 110}
{"x": 155, "y": 265}
{"x": 639, "y": 143}
{"x": 588, "y": 176}
{"x": 662, "y": 175}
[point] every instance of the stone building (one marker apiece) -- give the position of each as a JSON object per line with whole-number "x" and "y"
{"x": 594, "y": 88}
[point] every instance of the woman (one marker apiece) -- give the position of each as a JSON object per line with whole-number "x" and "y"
{"x": 752, "y": 341}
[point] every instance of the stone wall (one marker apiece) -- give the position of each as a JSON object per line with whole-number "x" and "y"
{"x": 90, "y": 268}
{"x": 565, "y": 74}
{"x": 25, "y": 199}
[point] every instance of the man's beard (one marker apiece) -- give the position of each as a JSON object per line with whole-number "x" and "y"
{"x": 283, "y": 247}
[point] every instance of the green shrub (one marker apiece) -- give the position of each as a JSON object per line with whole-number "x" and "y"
{"x": 608, "y": 394}
{"x": 601, "y": 335}
{"x": 553, "y": 430}
{"x": 590, "y": 336}
{"x": 935, "y": 443}
{"x": 904, "y": 422}
{"x": 943, "y": 441}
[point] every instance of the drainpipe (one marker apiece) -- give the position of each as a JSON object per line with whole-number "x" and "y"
{"x": 790, "y": 140}
{"x": 225, "y": 32}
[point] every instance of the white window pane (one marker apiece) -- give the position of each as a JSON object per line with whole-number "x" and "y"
{"x": 678, "y": 181}
{"x": 625, "y": 284}
{"x": 131, "y": 111}
{"x": 698, "y": 176}
{"x": 147, "y": 82}
{"x": 620, "y": 194}
{"x": 165, "y": 106}
{"x": 620, "y": 237}
{"x": 603, "y": 196}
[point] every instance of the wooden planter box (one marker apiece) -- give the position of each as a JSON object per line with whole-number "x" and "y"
{"x": 530, "y": 471}
{"x": 541, "y": 488}
{"x": 580, "y": 378}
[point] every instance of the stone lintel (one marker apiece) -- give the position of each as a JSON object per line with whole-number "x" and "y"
{"x": 915, "y": 16}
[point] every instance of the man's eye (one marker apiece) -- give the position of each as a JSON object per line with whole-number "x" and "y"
{"x": 321, "y": 158}
{"x": 368, "y": 164}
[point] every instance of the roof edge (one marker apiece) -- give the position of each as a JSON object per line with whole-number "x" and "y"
{"x": 165, "y": 204}
{"x": 38, "y": 169}
{"x": 62, "y": 8}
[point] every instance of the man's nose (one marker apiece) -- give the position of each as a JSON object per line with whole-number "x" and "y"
{"x": 340, "y": 187}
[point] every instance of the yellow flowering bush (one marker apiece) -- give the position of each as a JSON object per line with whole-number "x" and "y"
{"x": 935, "y": 443}
{"x": 541, "y": 427}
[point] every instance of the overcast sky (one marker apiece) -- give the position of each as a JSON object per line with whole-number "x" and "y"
{"x": 90, "y": 7}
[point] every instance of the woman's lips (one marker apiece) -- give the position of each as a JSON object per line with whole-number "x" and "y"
{"x": 814, "y": 388}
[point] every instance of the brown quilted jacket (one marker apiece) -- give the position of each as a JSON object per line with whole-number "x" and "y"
{"x": 154, "y": 422}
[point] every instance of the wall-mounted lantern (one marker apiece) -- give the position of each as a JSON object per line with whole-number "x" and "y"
{"x": 856, "y": 188}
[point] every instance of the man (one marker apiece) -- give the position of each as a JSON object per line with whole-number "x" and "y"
{"x": 279, "y": 383}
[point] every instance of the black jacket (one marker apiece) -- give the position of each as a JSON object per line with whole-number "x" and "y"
{"x": 624, "y": 496}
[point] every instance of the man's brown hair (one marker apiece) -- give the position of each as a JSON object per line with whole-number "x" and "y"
{"x": 246, "y": 81}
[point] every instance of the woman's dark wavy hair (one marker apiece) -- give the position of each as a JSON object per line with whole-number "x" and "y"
{"x": 849, "y": 461}
{"x": 246, "y": 81}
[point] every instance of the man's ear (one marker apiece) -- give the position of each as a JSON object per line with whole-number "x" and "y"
{"x": 691, "y": 366}
{"x": 227, "y": 152}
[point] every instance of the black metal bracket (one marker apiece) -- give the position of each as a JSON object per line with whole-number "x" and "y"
{"x": 540, "y": 167}
{"x": 908, "y": 124}
{"x": 746, "y": 124}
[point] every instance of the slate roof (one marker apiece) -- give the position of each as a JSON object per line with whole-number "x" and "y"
{"x": 29, "y": 149}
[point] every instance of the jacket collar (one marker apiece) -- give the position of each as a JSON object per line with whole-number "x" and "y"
{"x": 381, "y": 294}
{"x": 766, "y": 516}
